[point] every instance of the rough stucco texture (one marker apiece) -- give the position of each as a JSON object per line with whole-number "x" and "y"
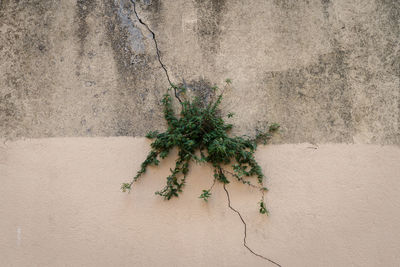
{"x": 60, "y": 205}
{"x": 327, "y": 71}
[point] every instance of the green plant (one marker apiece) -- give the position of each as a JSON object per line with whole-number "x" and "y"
{"x": 202, "y": 136}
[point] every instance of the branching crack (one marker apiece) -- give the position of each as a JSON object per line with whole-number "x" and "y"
{"x": 245, "y": 231}
{"x": 157, "y": 50}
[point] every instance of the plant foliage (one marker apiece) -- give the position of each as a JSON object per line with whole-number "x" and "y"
{"x": 202, "y": 136}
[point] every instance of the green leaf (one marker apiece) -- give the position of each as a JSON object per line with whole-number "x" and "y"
{"x": 274, "y": 127}
{"x": 205, "y": 195}
{"x": 200, "y": 126}
{"x": 263, "y": 209}
{"x": 152, "y": 134}
{"x": 125, "y": 187}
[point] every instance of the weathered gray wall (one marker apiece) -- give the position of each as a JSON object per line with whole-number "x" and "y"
{"x": 327, "y": 71}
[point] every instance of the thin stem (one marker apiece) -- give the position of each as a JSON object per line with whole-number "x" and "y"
{"x": 212, "y": 185}
{"x": 245, "y": 231}
{"x": 240, "y": 179}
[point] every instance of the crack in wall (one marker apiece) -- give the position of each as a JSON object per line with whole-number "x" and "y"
{"x": 158, "y": 52}
{"x": 58, "y": 59}
{"x": 245, "y": 231}
{"x": 175, "y": 91}
{"x": 135, "y": 36}
{"x": 173, "y": 86}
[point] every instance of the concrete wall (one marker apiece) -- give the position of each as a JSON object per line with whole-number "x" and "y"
{"x": 328, "y": 71}
{"x": 80, "y": 78}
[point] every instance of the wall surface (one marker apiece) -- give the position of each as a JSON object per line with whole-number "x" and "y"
{"x": 327, "y": 71}
{"x": 80, "y": 85}
{"x": 60, "y": 205}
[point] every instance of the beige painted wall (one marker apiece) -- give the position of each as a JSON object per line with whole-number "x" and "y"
{"x": 60, "y": 205}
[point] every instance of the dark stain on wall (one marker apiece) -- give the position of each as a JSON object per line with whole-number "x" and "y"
{"x": 138, "y": 68}
{"x": 210, "y": 14}
{"x": 325, "y": 7}
{"x": 3, "y": 4}
{"x": 10, "y": 113}
{"x": 289, "y": 4}
{"x": 348, "y": 92}
{"x": 315, "y": 97}
{"x": 83, "y": 9}
{"x": 389, "y": 11}
{"x": 153, "y": 9}
{"x": 130, "y": 63}
{"x": 25, "y": 63}
{"x": 389, "y": 20}
{"x": 201, "y": 89}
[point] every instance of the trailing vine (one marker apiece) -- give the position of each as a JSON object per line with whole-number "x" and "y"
{"x": 202, "y": 136}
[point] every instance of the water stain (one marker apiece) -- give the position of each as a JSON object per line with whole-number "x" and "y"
{"x": 10, "y": 113}
{"x": 26, "y": 64}
{"x": 83, "y": 9}
{"x": 201, "y": 89}
{"x": 134, "y": 34}
{"x": 312, "y": 103}
{"x": 210, "y": 15}
{"x": 154, "y": 14}
{"x": 325, "y": 7}
{"x": 137, "y": 69}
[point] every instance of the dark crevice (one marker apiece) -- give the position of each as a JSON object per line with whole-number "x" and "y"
{"x": 157, "y": 50}
{"x": 245, "y": 231}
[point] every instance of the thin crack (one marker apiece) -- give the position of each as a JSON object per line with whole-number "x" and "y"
{"x": 180, "y": 101}
{"x": 157, "y": 50}
{"x": 245, "y": 231}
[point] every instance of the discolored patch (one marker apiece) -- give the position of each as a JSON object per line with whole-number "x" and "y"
{"x": 201, "y": 89}
{"x": 285, "y": 4}
{"x": 210, "y": 15}
{"x": 127, "y": 41}
{"x": 89, "y": 68}
{"x": 138, "y": 73}
{"x": 83, "y": 9}
{"x": 153, "y": 10}
{"x": 10, "y": 114}
{"x": 313, "y": 103}
{"x": 389, "y": 14}
{"x": 325, "y": 7}
{"x": 25, "y": 64}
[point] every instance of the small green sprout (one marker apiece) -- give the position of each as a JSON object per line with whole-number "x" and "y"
{"x": 274, "y": 127}
{"x": 125, "y": 187}
{"x": 263, "y": 209}
{"x": 205, "y": 195}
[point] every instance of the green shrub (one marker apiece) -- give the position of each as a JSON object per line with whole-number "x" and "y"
{"x": 202, "y": 136}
